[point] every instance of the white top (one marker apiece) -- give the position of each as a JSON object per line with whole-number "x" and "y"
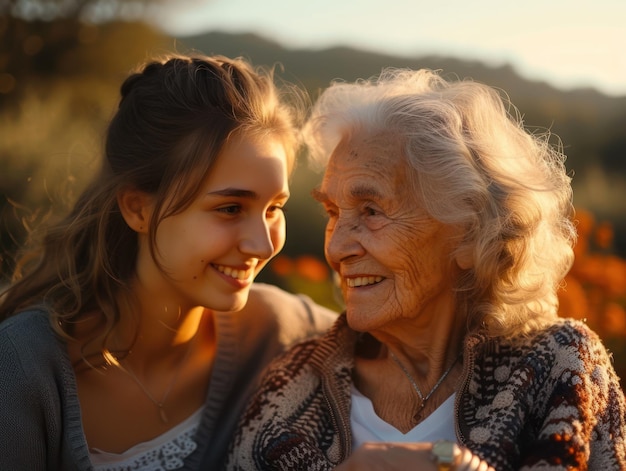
{"x": 368, "y": 427}
{"x": 165, "y": 452}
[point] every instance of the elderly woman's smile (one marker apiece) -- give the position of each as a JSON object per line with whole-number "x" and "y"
{"x": 359, "y": 281}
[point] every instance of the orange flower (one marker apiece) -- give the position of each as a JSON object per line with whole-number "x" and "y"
{"x": 590, "y": 269}
{"x": 615, "y": 275}
{"x": 614, "y": 320}
{"x": 311, "y": 268}
{"x": 604, "y": 235}
{"x": 584, "y": 221}
{"x": 282, "y": 265}
{"x": 573, "y": 299}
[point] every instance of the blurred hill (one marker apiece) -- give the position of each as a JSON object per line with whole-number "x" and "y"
{"x": 591, "y": 125}
{"x": 54, "y": 112}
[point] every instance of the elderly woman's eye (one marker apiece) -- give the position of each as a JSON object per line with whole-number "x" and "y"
{"x": 324, "y": 213}
{"x": 371, "y": 211}
{"x": 329, "y": 212}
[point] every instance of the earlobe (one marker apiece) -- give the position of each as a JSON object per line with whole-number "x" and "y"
{"x": 463, "y": 257}
{"x": 136, "y": 208}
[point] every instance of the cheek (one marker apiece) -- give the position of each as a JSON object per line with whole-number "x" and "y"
{"x": 278, "y": 234}
{"x": 426, "y": 261}
{"x": 167, "y": 245}
{"x": 415, "y": 256}
{"x": 408, "y": 262}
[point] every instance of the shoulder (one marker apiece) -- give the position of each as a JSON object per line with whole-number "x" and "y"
{"x": 561, "y": 335}
{"x": 330, "y": 354}
{"x": 568, "y": 337}
{"x": 296, "y": 315}
{"x": 567, "y": 350}
{"x": 28, "y": 341}
{"x": 286, "y": 380}
{"x": 570, "y": 329}
{"x": 579, "y": 350}
{"x": 538, "y": 385}
{"x": 31, "y": 352}
{"x": 26, "y": 326}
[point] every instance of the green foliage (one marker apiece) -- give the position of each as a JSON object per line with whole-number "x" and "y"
{"x": 52, "y": 118}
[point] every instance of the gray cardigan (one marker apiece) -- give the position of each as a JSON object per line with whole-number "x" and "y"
{"x": 40, "y": 416}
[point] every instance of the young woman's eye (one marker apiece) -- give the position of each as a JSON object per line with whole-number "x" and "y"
{"x": 230, "y": 209}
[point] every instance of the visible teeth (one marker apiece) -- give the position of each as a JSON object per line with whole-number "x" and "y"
{"x": 363, "y": 281}
{"x": 233, "y": 272}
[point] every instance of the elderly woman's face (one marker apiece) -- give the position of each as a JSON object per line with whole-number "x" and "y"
{"x": 392, "y": 257}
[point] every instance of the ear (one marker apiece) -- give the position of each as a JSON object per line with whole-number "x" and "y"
{"x": 463, "y": 257}
{"x": 136, "y": 208}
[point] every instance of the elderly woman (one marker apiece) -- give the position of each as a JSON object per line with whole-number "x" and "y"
{"x": 449, "y": 227}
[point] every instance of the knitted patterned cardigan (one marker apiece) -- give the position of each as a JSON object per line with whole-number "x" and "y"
{"x": 550, "y": 402}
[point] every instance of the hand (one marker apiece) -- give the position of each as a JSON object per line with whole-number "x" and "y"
{"x": 470, "y": 462}
{"x": 406, "y": 456}
{"x": 390, "y": 457}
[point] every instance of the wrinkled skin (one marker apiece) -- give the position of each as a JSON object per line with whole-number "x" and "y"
{"x": 394, "y": 260}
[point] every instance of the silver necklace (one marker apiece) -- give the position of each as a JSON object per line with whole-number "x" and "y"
{"x": 160, "y": 404}
{"x": 414, "y": 383}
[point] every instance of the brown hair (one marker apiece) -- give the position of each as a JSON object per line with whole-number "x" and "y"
{"x": 174, "y": 116}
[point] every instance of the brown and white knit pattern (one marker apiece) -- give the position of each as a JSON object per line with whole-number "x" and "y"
{"x": 551, "y": 401}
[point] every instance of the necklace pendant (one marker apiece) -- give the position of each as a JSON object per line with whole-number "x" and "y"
{"x": 162, "y": 413}
{"x": 417, "y": 416}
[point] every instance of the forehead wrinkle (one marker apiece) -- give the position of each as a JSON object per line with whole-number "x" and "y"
{"x": 365, "y": 192}
{"x": 358, "y": 192}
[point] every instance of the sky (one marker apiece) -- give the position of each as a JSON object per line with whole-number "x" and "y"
{"x": 568, "y": 43}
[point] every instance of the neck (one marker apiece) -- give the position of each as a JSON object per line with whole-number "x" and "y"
{"x": 428, "y": 342}
{"x": 154, "y": 336}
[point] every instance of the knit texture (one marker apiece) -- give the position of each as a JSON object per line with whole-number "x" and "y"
{"x": 551, "y": 401}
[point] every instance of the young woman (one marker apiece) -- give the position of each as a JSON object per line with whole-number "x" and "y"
{"x": 117, "y": 348}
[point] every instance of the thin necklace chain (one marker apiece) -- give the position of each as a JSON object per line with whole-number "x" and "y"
{"x": 414, "y": 383}
{"x": 160, "y": 404}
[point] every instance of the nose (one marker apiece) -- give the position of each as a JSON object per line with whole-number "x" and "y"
{"x": 342, "y": 240}
{"x": 256, "y": 240}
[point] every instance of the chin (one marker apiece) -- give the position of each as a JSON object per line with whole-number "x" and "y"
{"x": 231, "y": 303}
{"x": 357, "y": 320}
{"x": 240, "y": 302}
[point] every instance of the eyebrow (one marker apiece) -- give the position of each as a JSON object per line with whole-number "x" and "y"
{"x": 239, "y": 193}
{"x": 365, "y": 192}
{"x": 234, "y": 192}
{"x": 358, "y": 192}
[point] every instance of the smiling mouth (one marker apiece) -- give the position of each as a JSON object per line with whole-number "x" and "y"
{"x": 233, "y": 272}
{"x": 363, "y": 281}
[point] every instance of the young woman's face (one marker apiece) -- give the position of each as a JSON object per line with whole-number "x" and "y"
{"x": 211, "y": 252}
